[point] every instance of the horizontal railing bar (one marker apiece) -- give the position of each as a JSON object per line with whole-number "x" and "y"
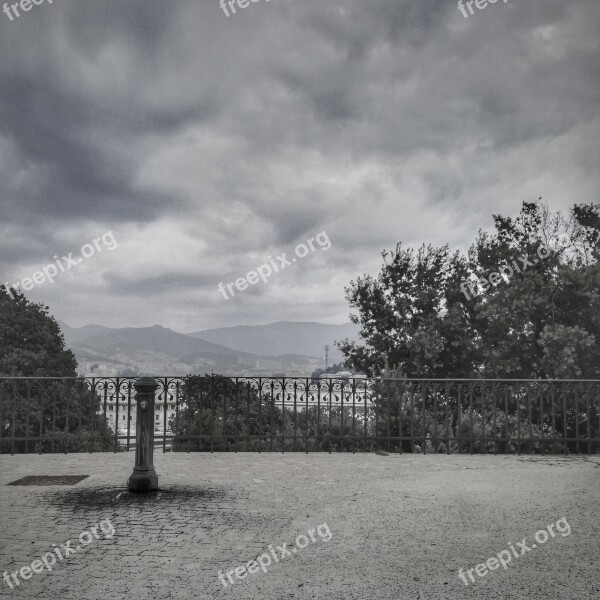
{"x": 110, "y": 437}
{"x": 299, "y": 437}
{"x": 297, "y": 378}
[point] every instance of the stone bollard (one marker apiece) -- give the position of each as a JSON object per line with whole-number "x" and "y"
{"x": 144, "y": 477}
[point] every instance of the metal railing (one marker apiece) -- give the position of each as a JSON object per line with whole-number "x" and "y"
{"x": 282, "y": 414}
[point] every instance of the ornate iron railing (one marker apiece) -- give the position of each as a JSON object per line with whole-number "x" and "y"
{"x": 299, "y": 414}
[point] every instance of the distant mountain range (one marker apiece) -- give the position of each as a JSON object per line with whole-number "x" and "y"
{"x": 283, "y": 337}
{"x": 277, "y": 347}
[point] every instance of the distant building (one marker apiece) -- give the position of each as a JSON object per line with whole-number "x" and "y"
{"x": 116, "y": 414}
{"x": 268, "y": 364}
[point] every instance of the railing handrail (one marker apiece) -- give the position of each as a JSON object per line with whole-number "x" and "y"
{"x": 279, "y": 412}
{"x": 305, "y": 377}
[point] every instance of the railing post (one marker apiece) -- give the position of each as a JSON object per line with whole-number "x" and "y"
{"x": 144, "y": 477}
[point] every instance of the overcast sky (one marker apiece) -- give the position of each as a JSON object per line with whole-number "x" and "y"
{"x": 205, "y": 143}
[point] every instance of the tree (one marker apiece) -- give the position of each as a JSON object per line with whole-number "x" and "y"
{"x": 60, "y": 409}
{"x": 524, "y": 303}
{"x": 412, "y": 316}
{"x": 31, "y": 343}
{"x": 220, "y": 414}
{"x": 543, "y": 322}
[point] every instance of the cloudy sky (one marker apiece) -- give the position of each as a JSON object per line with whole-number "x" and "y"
{"x": 205, "y": 143}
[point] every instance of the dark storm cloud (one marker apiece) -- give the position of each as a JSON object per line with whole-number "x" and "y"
{"x": 79, "y": 139}
{"x": 207, "y": 143}
{"x": 132, "y": 285}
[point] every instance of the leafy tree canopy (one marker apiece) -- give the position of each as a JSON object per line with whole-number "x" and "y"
{"x": 31, "y": 343}
{"x": 524, "y": 303}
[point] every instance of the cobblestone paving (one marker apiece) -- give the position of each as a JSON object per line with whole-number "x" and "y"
{"x": 401, "y": 526}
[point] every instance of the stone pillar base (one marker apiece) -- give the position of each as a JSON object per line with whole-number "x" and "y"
{"x": 143, "y": 479}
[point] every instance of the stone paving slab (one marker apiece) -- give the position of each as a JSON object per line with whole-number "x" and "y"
{"x": 401, "y": 526}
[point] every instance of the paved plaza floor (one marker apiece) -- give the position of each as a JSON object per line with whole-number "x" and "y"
{"x": 400, "y": 527}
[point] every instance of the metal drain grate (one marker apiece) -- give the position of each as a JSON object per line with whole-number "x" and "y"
{"x": 49, "y": 480}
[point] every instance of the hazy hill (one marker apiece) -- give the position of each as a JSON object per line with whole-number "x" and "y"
{"x": 75, "y": 334}
{"x": 228, "y": 349}
{"x": 283, "y": 337}
{"x": 148, "y": 339}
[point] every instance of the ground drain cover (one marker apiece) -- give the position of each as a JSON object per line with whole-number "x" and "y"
{"x": 49, "y": 480}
